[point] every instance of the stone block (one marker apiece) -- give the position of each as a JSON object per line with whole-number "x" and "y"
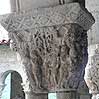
{"x": 46, "y": 17}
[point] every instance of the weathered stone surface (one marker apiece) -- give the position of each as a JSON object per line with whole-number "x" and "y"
{"x": 36, "y": 96}
{"x": 52, "y": 55}
{"x": 92, "y": 70}
{"x": 93, "y": 34}
{"x": 52, "y": 43}
{"x": 92, "y": 5}
{"x": 42, "y": 17}
{"x": 67, "y": 95}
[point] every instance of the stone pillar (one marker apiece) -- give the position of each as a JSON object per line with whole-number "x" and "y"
{"x": 15, "y": 6}
{"x": 92, "y": 71}
{"x": 93, "y": 33}
{"x": 52, "y": 43}
{"x": 67, "y": 94}
{"x": 30, "y": 95}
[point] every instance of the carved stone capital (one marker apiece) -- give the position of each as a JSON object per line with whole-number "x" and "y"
{"x": 52, "y": 43}
{"x": 52, "y": 55}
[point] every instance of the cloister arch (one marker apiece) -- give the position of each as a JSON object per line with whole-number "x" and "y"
{"x": 6, "y": 73}
{"x": 16, "y": 89}
{"x": 10, "y": 64}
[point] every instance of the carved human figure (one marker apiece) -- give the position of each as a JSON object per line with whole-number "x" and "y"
{"x": 52, "y": 42}
{"x": 37, "y": 63}
{"x": 92, "y": 74}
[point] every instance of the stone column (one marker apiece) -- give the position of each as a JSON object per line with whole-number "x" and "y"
{"x": 52, "y": 43}
{"x": 93, "y": 33}
{"x": 30, "y": 95}
{"x": 15, "y": 6}
{"x": 67, "y": 94}
{"x": 92, "y": 71}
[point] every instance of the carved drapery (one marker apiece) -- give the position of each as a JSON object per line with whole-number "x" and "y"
{"x": 52, "y": 43}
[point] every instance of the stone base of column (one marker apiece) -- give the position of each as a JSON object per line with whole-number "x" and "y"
{"x": 66, "y": 95}
{"x": 36, "y": 96}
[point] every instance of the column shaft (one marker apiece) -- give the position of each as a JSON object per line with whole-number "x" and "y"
{"x": 66, "y": 95}
{"x": 28, "y": 95}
